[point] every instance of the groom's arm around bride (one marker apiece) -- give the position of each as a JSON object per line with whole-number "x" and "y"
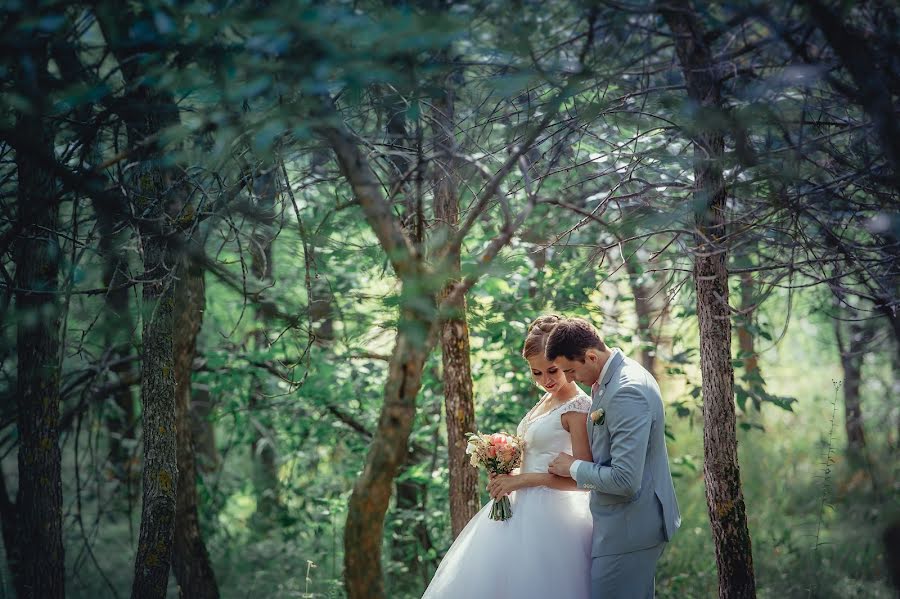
{"x": 632, "y": 496}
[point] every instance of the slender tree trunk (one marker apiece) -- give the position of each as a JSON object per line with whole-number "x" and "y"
{"x": 9, "y": 521}
{"x": 646, "y": 312}
{"x": 410, "y": 499}
{"x": 191, "y": 563}
{"x": 411, "y": 544}
{"x": 37, "y": 254}
{"x": 895, "y": 392}
{"x": 387, "y": 453}
{"x": 160, "y": 469}
{"x": 745, "y": 337}
{"x": 321, "y": 310}
{"x": 721, "y": 472}
{"x": 539, "y": 259}
{"x": 415, "y": 338}
{"x": 118, "y": 325}
{"x": 853, "y": 352}
{"x": 893, "y": 317}
{"x": 263, "y": 452}
{"x": 147, "y": 112}
{"x": 458, "y": 395}
{"x": 203, "y": 432}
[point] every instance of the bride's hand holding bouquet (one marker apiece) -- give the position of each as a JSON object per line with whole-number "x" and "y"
{"x": 499, "y": 454}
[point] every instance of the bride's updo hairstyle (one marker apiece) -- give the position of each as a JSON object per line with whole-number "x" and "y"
{"x": 538, "y": 332}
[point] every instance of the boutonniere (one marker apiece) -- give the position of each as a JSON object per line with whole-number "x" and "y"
{"x": 598, "y": 416}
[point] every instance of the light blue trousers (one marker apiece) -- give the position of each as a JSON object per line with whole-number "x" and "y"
{"x": 625, "y": 575}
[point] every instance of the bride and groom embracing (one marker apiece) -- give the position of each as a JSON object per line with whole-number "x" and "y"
{"x": 593, "y": 502}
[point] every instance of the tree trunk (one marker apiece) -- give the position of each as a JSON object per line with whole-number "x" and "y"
{"x": 37, "y": 254}
{"x": 191, "y": 564}
{"x": 415, "y": 337}
{"x": 895, "y": 392}
{"x": 539, "y": 259}
{"x": 146, "y": 113}
{"x": 411, "y": 499}
{"x": 458, "y": 394}
{"x": 646, "y": 312}
{"x": 9, "y": 521}
{"x": 745, "y": 337}
{"x": 203, "y": 433}
{"x": 117, "y": 335}
{"x": 721, "y": 472}
{"x": 853, "y": 352}
{"x": 412, "y": 543}
{"x": 387, "y": 453}
{"x": 160, "y": 469}
{"x": 263, "y": 452}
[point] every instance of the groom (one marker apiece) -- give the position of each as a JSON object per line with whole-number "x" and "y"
{"x": 633, "y": 500}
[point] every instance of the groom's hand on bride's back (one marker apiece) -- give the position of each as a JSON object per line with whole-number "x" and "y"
{"x": 561, "y": 464}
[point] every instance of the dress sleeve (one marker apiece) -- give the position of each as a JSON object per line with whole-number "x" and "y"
{"x": 582, "y": 403}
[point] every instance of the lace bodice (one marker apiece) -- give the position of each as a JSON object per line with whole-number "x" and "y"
{"x": 545, "y": 436}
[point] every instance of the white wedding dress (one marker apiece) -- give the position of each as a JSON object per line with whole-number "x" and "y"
{"x": 544, "y": 550}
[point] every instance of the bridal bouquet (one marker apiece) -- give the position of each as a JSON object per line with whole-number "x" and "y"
{"x": 498, "y": 453}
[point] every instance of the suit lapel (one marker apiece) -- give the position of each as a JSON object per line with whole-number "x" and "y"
{"x": 601, "y": 396}
{"x": 616, "y": 362}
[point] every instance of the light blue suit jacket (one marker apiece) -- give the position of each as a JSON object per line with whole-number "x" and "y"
{"x": 633, "y": 499}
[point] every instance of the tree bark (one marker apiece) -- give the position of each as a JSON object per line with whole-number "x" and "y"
{"x": 191, "y": 563}
{"x": 118, "y": 330}
{"x": 160, "y": 469}
{"x": 412, "y": 542}
{"x": 37, "y": 254}
{"x": 646, "y": 313}
{"x": 721, "y": 472}
{"x": 853, "y": 352}
{"x": 416, "y": 542}
{"x": 458, "y": 395}
{"x": 203, "y": 432}
{"x": 746, "y": 342}
{"x": 387, "y": 453}
{"x": 895, "y": 392}
{"x": 415, "y": 338}
{"x": 147, "y": 112}
{"x": 263, "y": 452}
{"x": 9, "y": 522}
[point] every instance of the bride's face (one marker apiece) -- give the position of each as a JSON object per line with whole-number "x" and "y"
{"x": 547, "y": 374}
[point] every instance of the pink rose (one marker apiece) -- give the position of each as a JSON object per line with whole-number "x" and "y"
{"x": 492, "y": 451}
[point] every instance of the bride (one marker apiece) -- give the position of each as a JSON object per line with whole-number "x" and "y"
{"x": 544, "y": 550}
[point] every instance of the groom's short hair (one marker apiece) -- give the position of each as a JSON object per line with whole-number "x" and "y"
{"x": 571, "y": 338}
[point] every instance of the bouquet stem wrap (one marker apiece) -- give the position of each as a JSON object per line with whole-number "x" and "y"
{"x": 501, "y": 510}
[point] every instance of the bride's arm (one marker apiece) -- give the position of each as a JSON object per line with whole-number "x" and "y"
{"x": 574, "y": 422}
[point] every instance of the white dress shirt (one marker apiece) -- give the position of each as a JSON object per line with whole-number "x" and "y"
{"x": 574, "y": 467}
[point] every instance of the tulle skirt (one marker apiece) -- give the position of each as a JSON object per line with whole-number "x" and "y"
{"x": 543, "y": 551}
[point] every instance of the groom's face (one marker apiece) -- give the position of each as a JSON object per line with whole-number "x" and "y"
{"x": 575, "y": 370}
